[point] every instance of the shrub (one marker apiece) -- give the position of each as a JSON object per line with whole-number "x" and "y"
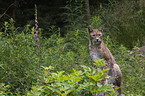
{"x": 76, "y": 83}
{"x": 19, "y": 61}
{"x": 20, "y": 58}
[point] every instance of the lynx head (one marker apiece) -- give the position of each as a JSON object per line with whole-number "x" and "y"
{"x": 96, "y": 35}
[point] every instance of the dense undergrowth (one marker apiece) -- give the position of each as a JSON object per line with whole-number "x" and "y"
{"x": 61, "y": 65}
{"x": 21, "y": 63}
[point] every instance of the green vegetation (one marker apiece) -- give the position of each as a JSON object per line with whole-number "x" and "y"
{"x": 62, "y": 66}
{"x": 125, "y": 21}
{"x": 21, "y": 63}
{"x": 76, "y": 83}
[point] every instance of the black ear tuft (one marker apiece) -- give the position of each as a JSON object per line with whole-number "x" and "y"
{"x": 101, "y": 28}
{"x": 90, "y": 29}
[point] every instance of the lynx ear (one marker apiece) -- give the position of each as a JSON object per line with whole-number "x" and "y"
{"x": 101, "y": 28}
{"x": 90, "y": 29}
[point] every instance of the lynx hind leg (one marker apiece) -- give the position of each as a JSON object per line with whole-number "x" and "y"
{"x": 118, "y": 78}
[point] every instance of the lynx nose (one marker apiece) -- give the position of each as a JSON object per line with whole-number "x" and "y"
{"x": 97, "y": 40}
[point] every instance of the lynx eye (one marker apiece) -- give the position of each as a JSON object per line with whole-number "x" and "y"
{"x": 99, "y": 34}
{"x": 93, "y": 35}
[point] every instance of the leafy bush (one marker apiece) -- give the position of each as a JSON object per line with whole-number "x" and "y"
{"x": 19, "y": 61}
{"x": 3, "y": 89}
{"x": 20, "y": 58}
{"x": 76, "y": 83}
{"x": 9, "y": 28}
{"x": 69, "y": 52}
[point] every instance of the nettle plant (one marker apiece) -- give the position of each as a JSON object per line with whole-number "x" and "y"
{"x": 83, "y": 82}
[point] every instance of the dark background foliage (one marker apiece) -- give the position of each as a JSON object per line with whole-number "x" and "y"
{"x": 49, "y": 12}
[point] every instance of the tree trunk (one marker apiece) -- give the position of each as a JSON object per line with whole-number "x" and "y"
{"x": 88, "y": 12}
{"x": 14, "y": 9}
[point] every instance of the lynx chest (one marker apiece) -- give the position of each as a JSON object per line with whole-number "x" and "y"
{"x": 96, "y": 54}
